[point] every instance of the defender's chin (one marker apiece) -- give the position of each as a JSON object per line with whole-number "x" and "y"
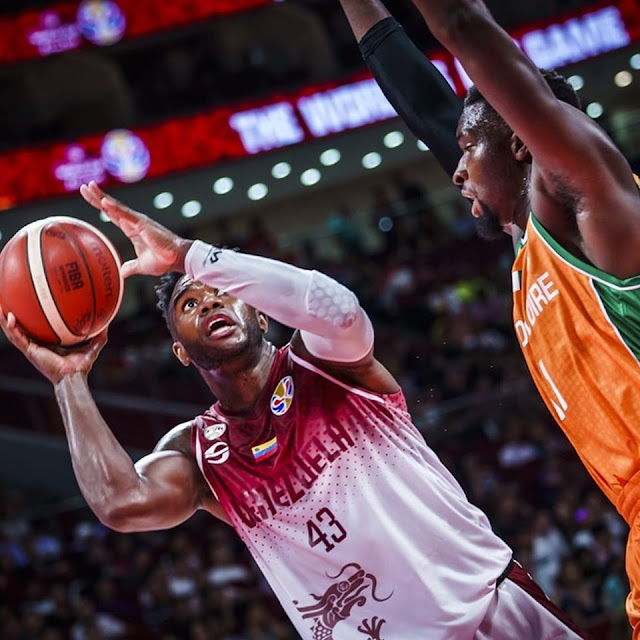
{"x": 487, "y": 230}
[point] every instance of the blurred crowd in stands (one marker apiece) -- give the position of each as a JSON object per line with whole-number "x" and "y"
{"x": 440, "y": 301}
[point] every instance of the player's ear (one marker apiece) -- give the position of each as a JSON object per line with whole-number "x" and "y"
{"x": 263, "y": 321}
{"x": 181, "y": 353}
{"x": 519, "y": 149}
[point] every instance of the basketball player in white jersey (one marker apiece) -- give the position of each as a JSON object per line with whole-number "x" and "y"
{"x": 308, "y": 452}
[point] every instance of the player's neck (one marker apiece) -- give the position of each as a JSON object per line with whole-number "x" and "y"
{"x": 521, "y": 205}
{"x": 522, "y": 211}
{"x": 238, "y": 385}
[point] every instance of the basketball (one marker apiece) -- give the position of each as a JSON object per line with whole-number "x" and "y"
{"x": 61, "y": 279}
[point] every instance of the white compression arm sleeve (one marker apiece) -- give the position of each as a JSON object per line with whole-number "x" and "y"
{"x": 332, "y": 323}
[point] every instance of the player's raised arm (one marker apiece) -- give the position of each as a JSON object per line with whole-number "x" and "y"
{"x": 363, "y": 15}
{"x": 507, "y": 78}
{"x": 161, "y": 491}
{"x": 411, "y": 83}
{"x": 573, "y": 157}
{"x": 334, "y": 328}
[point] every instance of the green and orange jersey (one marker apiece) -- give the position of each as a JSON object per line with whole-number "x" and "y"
{"x": 579, "y": 330}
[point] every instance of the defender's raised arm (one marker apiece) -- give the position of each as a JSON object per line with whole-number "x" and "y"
{"x": 412, "y": 84}
{"x": 576, "y": 167}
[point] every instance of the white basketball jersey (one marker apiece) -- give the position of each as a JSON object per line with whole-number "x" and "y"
{"x": 361, "y": 531}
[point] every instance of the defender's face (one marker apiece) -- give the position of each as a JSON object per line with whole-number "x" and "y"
{"x": 488, "y": 173}
{"x": 210, "y": 325}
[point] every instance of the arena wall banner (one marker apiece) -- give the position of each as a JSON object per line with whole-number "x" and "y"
{"x": 253, "y": 127}
{"x": 64, "y": 26}
{"x": 566, "y": 39}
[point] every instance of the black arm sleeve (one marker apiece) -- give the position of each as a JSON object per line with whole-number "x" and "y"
{"x": 415, "y": 88}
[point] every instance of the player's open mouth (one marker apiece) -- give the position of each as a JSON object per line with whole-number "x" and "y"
{"x": 219, "y": 326}
{"x": 476, "y": 209}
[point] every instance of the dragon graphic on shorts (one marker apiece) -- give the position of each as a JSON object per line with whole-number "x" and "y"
{"x": 337, "y": 602}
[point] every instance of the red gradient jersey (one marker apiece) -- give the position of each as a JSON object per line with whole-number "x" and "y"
{"x": 359, "y": 528}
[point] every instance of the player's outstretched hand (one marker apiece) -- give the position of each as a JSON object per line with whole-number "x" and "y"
{"x": 158, "y": 249}
{"x": 54, "y": 364}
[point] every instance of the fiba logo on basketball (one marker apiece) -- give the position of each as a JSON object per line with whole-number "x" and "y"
{"x": 101, "y": 21}
{"x": 282, "y": 397}
{"x": 61, "y": 279}
{"x": 125, "y": 155}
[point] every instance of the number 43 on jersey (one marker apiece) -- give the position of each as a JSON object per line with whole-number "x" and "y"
{"x": 324, "y": 529}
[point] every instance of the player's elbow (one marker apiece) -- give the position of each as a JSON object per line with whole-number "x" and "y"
{"x": 349, "y": 312}
{"x": 118, "y": 523}
{"x": 331, "y": 302}
{"x": 116, "y": 515}
{"x": 114, "y": 519}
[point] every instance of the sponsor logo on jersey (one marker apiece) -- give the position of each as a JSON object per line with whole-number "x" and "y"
{"x": 214, "y": 431}
{"x": 217, "y": 453}
{"x": 214, "y": 255}
{"x": 282, "y": 397}
{"x": 265, "y": 450}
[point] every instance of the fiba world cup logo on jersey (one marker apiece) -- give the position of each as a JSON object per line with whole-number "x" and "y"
{"x": 101, "y": 21}
{"x": 282, "y": 397}
{"x": 125, "y": 156}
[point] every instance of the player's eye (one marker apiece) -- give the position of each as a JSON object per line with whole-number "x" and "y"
{"x": 188, "y": 304}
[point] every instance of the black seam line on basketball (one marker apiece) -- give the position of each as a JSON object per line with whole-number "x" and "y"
{"x": 33, "y": 283}
{"x": 80, "y": 252}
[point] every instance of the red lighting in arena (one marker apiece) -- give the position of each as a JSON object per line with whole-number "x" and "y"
{"x": 195, "y": 141}
{"x": 253, "y": 127}
{"x": 69, "y": 25}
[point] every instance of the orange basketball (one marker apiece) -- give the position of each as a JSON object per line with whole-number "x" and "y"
{"x": 61, "y": 279}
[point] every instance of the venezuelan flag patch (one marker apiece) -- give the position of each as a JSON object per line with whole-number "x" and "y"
{"x": 265, "y": 450}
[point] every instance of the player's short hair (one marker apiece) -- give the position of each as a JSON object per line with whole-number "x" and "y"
{"x": 164, "y": 289}
{"x": 557, "y": 83}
